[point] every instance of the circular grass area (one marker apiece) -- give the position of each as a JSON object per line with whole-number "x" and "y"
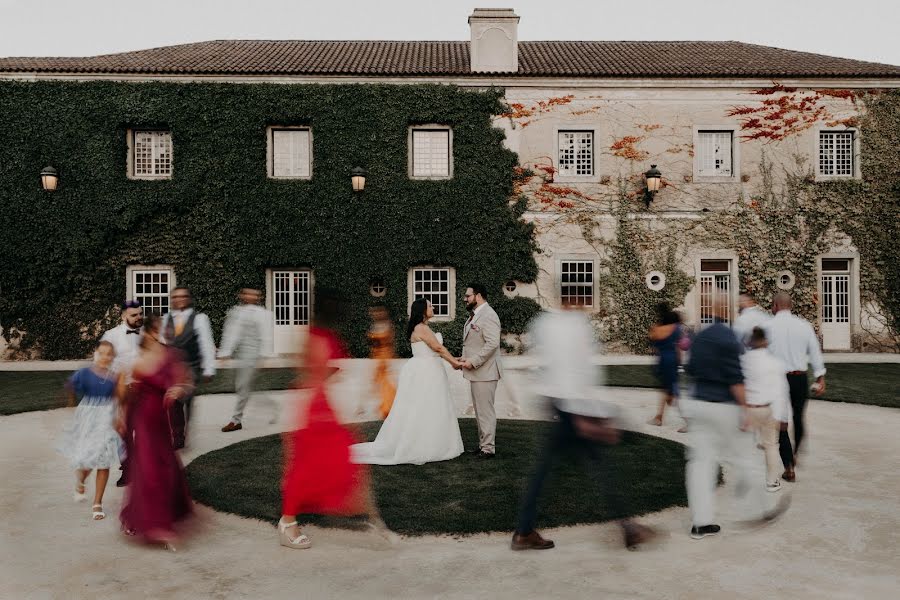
{"x": 461, "y": 496}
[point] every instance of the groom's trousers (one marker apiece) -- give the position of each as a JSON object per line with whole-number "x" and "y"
{"x": 561, "y": 438}
{"x": 485, "y": 415}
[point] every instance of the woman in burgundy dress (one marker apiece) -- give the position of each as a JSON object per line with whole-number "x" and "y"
{"x": 319, "y": 477}
{"x": 157, "y": 499}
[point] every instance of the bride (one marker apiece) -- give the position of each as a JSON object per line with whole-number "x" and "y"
{"x": 422, "y": 425}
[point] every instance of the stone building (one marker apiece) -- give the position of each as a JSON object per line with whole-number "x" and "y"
{"x": 725, "y": 123}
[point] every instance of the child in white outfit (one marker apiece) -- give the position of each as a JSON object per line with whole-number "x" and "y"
{"x": 768, "y": 401}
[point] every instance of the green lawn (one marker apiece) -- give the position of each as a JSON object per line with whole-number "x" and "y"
{"x": 878, "y": 384}
{"x": 462, "y": 496}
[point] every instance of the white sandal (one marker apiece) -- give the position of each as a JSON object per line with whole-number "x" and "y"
{"x": 97, "y": 512}
{"x": 79, "y": 496}
{"x": 301, "y": 542}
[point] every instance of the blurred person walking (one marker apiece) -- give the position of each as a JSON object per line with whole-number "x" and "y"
{"x": 125, "y": 338}
{"x": 189, "y": 331}
{"x": 319, "y": 477}
{"x": 247, "y": 336}
{"x": 793, "y": 341}
{"x": 665, "y": 336}
{"x": 751, "y": 316}
{"x": 564, "y": 345}
{"x": 157, "y": 502}
{"x": 381, "y": 340}
{"x": 90, "y": 442}
{"x": 719, "y": 422}
{"x": 768, "y": 401}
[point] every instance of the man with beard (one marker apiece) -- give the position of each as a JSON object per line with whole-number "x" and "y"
{"x": 481, "y": 364}
{"x": 126, "y": 338}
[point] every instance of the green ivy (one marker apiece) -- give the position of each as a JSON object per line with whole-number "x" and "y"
{"x": 221, "y": 222}
{"x": 627, "y": 306}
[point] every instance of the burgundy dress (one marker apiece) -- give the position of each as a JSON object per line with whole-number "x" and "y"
{"x": 157, "y": 497}
{"x": 319, "y": 477}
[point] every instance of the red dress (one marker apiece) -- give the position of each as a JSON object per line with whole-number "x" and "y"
{"x": 319, "y": 477}
{"x": 157, "y": 497}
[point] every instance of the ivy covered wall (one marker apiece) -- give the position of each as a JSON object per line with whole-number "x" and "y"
{"x": 220, "y": 222}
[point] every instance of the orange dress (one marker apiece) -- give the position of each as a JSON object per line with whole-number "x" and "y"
{"x": 319, "y": 477}
{"x": 382, "y": 352}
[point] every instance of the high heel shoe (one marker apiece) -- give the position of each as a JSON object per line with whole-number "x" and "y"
{"x": 301, "y": 542}
{"x": 79, "y": 496}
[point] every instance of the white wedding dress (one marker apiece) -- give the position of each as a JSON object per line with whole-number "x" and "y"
{"x": 422, "y": 425}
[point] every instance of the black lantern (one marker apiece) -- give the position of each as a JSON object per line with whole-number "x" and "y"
{"x": 654, "y": 179}
{"x": 358, "y": 179}
{"x": 49, "y": 179}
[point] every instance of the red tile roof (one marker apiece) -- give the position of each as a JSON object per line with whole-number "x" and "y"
{"x": 536, "y": 59}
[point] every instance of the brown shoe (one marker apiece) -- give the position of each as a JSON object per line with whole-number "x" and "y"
{"x": 789, "y": 474}
{"x": 636, "y": 534}
{"x": 232, "y": 427}
{"x": 531, "y": 541}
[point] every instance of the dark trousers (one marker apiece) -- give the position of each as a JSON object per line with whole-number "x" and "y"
{"x": 799, "y": 386}
{"x": 179, "y": 417}
{"x": 561, "y": 437}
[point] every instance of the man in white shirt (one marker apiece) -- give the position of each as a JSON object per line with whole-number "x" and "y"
{"x": 247, "y": 335}
{"x": 190, "y": 332}
{"x": 768, "y": 401}
{"x": 126, "y": 339}
{"x": 564, "y": 344}
{"x": 793, "y": 341}
{"x": 752, "y": 315}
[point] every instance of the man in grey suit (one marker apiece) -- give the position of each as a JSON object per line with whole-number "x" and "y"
{"x": 481, "y": 364}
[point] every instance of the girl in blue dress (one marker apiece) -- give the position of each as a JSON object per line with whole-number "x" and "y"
{"x": 90, "y": 442}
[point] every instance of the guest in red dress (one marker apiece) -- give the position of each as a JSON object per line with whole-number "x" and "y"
{"x": 157, "y": 500}
{"x": 319, "y": 477}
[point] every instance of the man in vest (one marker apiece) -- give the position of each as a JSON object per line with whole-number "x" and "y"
{"x": 189, "y": 331}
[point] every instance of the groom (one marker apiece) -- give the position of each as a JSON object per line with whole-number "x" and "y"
{"x": 481, "y": 363}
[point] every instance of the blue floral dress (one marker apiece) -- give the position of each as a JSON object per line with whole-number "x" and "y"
{"x": 90, "y": 441}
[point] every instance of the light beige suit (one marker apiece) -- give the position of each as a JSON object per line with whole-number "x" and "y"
{"x": 481, "y": 346}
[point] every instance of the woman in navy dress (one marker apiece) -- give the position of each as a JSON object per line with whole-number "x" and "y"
{"x": 665, "y": 335}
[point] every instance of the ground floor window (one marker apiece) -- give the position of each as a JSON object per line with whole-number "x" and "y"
{"x": 436, "y": 284}
{"x": 715, "y": 280}
{"x": 576, "y": 282}
{"x": 292, "y": 297}
{"x": 151, "y": 287}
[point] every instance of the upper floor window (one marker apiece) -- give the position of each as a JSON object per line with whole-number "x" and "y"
{"x": 431, "y": 152}
{"x": 576, "y": 153}
{"x": 151, "y": 154}
{"x": 836, "y": 153}
{"x": 715, "y": 153}
{"x": 290, "y": 152}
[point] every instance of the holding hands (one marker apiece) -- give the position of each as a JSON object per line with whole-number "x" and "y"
{"x": 462, "y": 363}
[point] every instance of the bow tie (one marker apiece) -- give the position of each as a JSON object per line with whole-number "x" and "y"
{"x": 134, "y": 331}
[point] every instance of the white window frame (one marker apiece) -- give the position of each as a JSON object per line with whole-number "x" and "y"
{"x": 730, "y": 279}
{"x": 854, "y": 156}
{"x": 451, "y": 291}
{"x": 132, "y": 154}
{"x": 855, "y": 297}
{"x": 572, "y": 176}
{"x": 411, "y": 133}
{"x": 702, "y": 177}
{"x": 131, "y": 285}
{"x": 270, "y": 151}
{"x": 586, "y": 260}
{"x": 272, "y": 297}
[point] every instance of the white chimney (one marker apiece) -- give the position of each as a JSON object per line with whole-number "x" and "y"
{"x": 495, "y": 40}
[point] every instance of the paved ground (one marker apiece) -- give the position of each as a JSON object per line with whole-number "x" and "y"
{"x": 839, "y": 540}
